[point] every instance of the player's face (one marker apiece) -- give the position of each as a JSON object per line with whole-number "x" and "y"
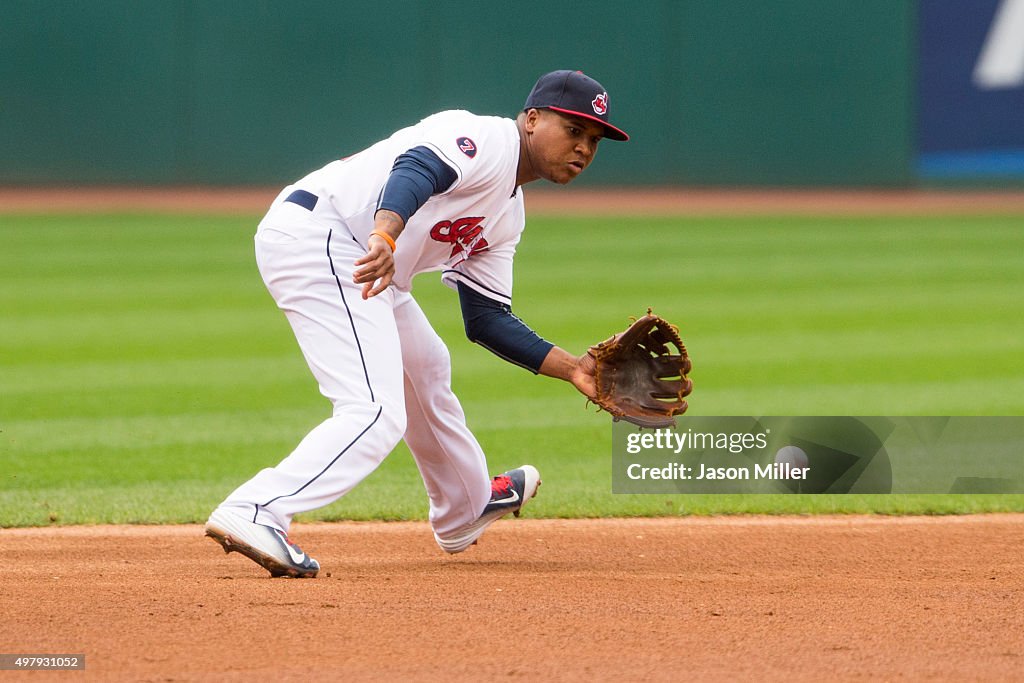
{"x": 561, "y": 145}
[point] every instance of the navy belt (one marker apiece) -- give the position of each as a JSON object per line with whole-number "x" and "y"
{"x": 306, "y": 200}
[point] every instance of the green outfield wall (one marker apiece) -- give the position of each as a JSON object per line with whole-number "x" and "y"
{"x": 801, "y": 92}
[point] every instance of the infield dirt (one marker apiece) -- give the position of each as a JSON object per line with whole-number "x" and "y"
{"x": 737, "y": 598}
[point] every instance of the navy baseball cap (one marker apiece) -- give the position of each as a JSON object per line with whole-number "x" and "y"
{"x": 575, "y": 93}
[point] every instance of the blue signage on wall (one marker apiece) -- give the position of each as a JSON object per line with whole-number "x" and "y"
{"x": 971, "y": 89}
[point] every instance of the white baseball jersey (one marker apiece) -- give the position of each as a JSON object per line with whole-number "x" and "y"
{"x": 471, "y": 230}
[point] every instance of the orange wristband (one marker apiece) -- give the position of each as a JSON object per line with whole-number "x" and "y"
{"x": 386, "y": 237}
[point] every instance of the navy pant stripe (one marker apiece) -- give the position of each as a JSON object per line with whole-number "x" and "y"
{"x": 344, "y": 302}
{"x": 329, "y": 465}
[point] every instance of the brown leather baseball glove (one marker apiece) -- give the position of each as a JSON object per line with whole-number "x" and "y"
{"x": 639, "y": 376}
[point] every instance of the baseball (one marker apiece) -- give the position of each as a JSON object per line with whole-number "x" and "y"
{"x": 794, "y": 456}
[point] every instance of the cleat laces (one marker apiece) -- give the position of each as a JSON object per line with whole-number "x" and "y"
{"x": 501, "y": 486}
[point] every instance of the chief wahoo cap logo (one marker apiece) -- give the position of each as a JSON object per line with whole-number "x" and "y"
{"x": 600, "y": 104}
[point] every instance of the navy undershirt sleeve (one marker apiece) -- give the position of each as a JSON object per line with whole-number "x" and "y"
{"x": 492, "y": 325}
{"x": 415, "y": 176}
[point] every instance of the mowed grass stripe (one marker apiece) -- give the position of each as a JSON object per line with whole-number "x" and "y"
{"x": 144, "y": 371}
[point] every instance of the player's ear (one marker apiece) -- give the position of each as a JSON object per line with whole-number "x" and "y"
{"x": 530, "y": 119}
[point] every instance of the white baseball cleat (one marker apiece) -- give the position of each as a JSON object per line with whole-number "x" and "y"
{"x": 264, "y": 545}
{"x": 509, "y": 493}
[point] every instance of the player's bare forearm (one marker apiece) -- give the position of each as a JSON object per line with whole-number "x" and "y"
{"x": 577, "y": 370}
{"x": 378, "y": 265}
{"x": 388, "y": 222}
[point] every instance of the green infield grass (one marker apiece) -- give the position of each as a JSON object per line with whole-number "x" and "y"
{"x": 145, "y": 372}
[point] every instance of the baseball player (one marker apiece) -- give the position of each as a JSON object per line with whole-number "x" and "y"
{"x": 338, "y": 251}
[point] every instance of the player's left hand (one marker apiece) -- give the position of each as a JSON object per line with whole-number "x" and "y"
{"x": 582, "y": 376}
{"x": 378, "y": 267}
{"x": 580, "y": 371}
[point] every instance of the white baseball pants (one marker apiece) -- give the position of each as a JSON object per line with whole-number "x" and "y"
{"x": 382, "y": 366}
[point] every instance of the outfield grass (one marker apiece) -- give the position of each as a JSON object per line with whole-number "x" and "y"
{"x": 145, "y": 372}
